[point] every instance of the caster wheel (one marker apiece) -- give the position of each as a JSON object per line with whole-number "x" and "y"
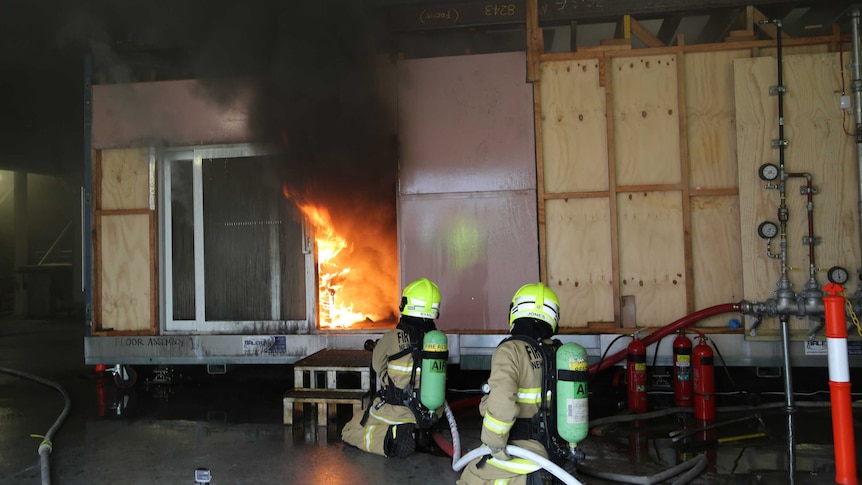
{"x": 126, "y": 377}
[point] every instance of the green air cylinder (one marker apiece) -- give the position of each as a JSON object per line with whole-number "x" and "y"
{"x": 435, "y": 355}
{"x": 572, "y": 408}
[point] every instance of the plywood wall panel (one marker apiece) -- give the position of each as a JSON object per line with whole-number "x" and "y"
{"x": 756, "y": 127}
{"x": 716, "y": 254}
{"x": 646, "y": 120}
{"x": 126, "y": 261}
{"x": 792, "y": 50}
{"x": 651, "y": 255}
{"x": 817, "y": 145}
{"x": 125, "y": 179}
{"x": 574, "y": 127}
{"x": 711, "y": 118}
{"x": 579, "y": 259}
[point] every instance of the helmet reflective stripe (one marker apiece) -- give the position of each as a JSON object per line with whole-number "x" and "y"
{"x": 420, "y": 308}
{"x": 528, "y": 306}
{"x": 515, "y": 465}
{"x": 421, "y": 298}
{"x": 495, "y": 425}
{"x": 535, "y": 301}
{"x": 530, "y": 396}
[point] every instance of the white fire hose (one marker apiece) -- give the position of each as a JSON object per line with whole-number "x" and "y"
{"x": 692, "y": 467}
{"x": 459, "y": 462}
{"x": 520, "y": 453}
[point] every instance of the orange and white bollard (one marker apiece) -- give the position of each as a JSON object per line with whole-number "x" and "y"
{"x": 839, "y": 385}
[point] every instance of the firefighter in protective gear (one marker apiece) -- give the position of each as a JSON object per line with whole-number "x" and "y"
{"x": 387, "y": 426}
{"x": 513, "y": 408}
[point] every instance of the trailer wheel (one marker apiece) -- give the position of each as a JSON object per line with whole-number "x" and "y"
{"x": 126, "y": 377}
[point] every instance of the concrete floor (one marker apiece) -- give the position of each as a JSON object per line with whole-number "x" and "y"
{"x": 232, "y": 425}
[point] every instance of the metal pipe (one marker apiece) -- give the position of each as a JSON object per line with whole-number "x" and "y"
{"x": 785, "y": 297}
{"x": 788, "y": 378}
{"x": 808, "y": 189}
{"x": 783, "y": 212}
{"x": 791, "y": 450}
{"x": 856, "y": 88}
{"x": 87, "y": 217}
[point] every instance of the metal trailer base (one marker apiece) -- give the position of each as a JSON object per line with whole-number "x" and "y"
{"x": 470, "y": 351}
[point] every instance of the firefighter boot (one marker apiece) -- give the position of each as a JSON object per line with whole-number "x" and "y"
{"x": 399, "y": 441}
{"x": 425, "y": 443}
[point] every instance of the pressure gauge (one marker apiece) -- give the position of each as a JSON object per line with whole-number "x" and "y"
{"x": 767, "y": 230}
{"x": 837, "y": 275}
{"x": 768, "y": 172}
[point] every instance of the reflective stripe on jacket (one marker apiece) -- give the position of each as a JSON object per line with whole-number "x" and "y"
{"x": 516, "y": 388}
{"x": 399, "y": 370}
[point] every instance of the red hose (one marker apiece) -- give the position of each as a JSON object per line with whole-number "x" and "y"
{"x": 444, "y": 443}
{"x": 667, "y": 330}
{"x": 683, "y": 322}
{"x": 466, "y": 403}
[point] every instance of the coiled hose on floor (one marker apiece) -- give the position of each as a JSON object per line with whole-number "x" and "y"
{"x": 691, "y": 468}
{"x": 46, "y": 446}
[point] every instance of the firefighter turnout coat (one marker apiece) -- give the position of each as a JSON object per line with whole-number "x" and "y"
{"x": 381, "y": 415}
{"x": 515, "y": 393}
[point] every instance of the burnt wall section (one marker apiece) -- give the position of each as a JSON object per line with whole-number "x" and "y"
{"x": 172, "y": 113}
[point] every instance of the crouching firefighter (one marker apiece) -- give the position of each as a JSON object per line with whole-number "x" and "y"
{"x": 409, "y": 400}
{"x": 518, "y": 406}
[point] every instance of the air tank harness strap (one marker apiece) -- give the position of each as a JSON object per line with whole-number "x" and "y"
{"x": 545, "y": 417}
{"x": 527, "y": 429}
{"x": 392, "y": 394}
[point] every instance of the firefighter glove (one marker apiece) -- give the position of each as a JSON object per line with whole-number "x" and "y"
{"x": 500, "y": 454}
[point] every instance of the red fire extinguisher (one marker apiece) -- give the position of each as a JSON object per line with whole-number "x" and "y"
{"x": 704, "y": 381}
{"x": 682, "y": 383}
{"x": 636, "y": 376}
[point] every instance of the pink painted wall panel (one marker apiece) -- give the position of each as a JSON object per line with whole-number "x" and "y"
{"x": 467, "y": 188}
{"x": 478, "y": 248}
{"x": 175, "y": 113}
{"x": 466, "y": 124}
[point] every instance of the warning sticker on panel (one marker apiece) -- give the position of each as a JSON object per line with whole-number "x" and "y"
{"x": 266, "y": 344}
{"x": 813, "y": 347}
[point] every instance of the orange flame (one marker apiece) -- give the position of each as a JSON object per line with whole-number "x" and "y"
{"x": 329, "y": 244}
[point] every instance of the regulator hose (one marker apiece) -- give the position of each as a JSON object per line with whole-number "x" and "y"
{"x": 520, "y": 453}
{"x": 46, "y": 446}
{"x": 694, "y": 467}
{"x": 452, "y": 449}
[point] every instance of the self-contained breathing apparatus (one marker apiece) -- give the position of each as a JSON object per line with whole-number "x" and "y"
{"x": 562, "y": 419}
{"x": 542, "y": 427}
{"x": 429, "y": 350}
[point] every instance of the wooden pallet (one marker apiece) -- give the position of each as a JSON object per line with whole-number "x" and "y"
{"x": 329, "y": 364}
{"x": 326, "y": 402}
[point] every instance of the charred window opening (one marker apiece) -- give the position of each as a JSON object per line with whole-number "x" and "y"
{"x": 244, "y": 252}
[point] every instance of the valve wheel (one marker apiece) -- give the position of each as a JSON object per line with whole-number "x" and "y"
{"x": 126, "y": 377}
